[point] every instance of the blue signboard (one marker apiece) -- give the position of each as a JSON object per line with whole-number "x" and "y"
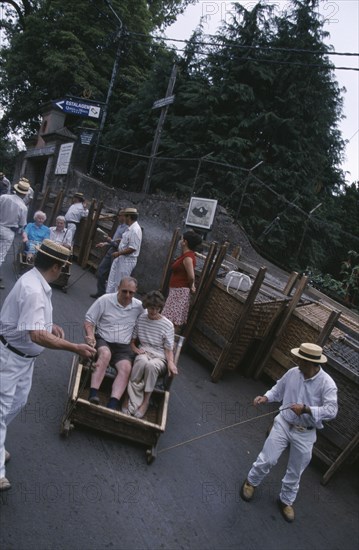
{"x": 79, "y": 108}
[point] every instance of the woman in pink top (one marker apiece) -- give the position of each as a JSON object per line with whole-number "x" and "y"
{"x": 182, "y": 281}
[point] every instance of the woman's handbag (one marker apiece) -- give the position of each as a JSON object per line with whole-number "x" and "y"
{"x": 237, "y": 281}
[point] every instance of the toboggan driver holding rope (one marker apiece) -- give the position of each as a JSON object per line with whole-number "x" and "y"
{"x": 309, "y": 396}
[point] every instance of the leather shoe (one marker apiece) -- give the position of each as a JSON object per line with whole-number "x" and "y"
{"x": 1, "y": 287}
{"x": 7, "y": 456}
{"x": 5, "y": 484}
{"x": 95, "y": 295}
{"x": 287, "y": 511}
{"x": 95, "y": 400}
{"x": 247, "y": 491}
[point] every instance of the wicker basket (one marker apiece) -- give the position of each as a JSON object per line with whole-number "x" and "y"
{"x": 305, "y": 325}
{"x": 214, "y": 325}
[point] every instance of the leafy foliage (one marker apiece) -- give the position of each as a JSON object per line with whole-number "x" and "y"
{"x": 254, "y": 123}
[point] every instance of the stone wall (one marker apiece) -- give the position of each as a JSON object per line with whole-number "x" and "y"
{"x": 159, "y": 216}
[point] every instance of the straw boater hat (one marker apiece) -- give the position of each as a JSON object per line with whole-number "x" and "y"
{"x": 310, "y": 352}
{"x": 22, "y": 186}
{"x": 2, "y": 174}
{"x": 54, "y": 250}
{"x": 129, "y": 211}
{"x": 79, "y": 195}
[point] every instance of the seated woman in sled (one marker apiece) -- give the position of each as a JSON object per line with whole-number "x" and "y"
{"x": 153, "y": 343}
{"x": 33, "y": 235}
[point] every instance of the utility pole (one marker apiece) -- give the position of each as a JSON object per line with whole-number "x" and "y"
{"x": 110, "y": 87}
{"x": 164, "y": 104}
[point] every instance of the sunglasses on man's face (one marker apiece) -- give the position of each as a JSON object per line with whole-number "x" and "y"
{"x": 124, "y": 291}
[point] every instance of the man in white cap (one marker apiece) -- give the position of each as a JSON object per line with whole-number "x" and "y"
{"x": 309, "y": 396}
{"x": 76, "y": 212}
{"x": 13, "y": 214}
{"x": 125, "y": 259}
{"x": 111, "y": 243}
{"x": 26, "y": 328}
{"x": 29, "y": 195}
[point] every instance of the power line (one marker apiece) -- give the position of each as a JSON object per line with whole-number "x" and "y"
{"x": 264, "y": 49}
{"x": 239, "y": 46}
{"x": 249, "y": 172}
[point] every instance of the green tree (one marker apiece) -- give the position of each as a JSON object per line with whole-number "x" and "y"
{"x": 58, "y": 47}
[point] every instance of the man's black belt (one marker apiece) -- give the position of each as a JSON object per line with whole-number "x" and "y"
{"x": 14, "y": 350}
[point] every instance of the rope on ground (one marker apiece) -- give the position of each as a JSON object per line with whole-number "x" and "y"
{"x": 221, "y": 430}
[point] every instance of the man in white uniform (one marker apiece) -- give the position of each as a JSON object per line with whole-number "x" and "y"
{"x": 5, "y": 185}
{"x": 76, "y": 212}
{"x": 308, "y": 396}
{"x": 109, "y": 324}
{"x": 125, "y": 259}
{"x": 26, "y": 328}
{"x": 13, "y": 214}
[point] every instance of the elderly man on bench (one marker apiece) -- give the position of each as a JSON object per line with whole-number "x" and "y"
{"x": 109, "y": 325}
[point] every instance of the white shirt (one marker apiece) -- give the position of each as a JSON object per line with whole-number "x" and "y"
{"x": 27, "y": 307}
{"x": 113, "y": 322}
{"x": 29, "y": 196}
{"x": 319, "y": 393}
{"x": 5, "y": 183}
{"x": 13, "y": 212}
{"x": 63, "y": 237}
{"x": 76, "y": 212}
{"x": 131, "y": 239}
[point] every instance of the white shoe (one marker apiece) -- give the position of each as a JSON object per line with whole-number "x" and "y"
{"x": 5, "y": 484}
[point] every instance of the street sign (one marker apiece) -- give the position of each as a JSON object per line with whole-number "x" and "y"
{"x": 78, "y": 108}
{"x": 63, "y": 160}
{"x": 87, "y": 136}
{"x": 163, "y": 102}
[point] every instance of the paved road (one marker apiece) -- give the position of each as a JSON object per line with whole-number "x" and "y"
{"x": 94, "y": 492}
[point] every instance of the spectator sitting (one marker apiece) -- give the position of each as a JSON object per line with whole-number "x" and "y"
{"x": 152, "y": 341}
{"x": 59, "y": 234}
{"x": 34, "y": 234}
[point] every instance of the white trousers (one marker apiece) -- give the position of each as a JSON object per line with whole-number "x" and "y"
{"x": 121, "y": 267}
{"x": 6, "y": 239}
{"x": 15, "y": 384}
{"x": 300, "y": 453}
{"x": 144, "y": 374}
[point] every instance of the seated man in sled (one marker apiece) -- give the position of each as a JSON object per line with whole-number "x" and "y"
{"x": 109, "y": 325}
{"x": 60, "y": 234}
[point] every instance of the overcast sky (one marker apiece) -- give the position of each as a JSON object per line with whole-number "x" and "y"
{"x": 341, "y": 21}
